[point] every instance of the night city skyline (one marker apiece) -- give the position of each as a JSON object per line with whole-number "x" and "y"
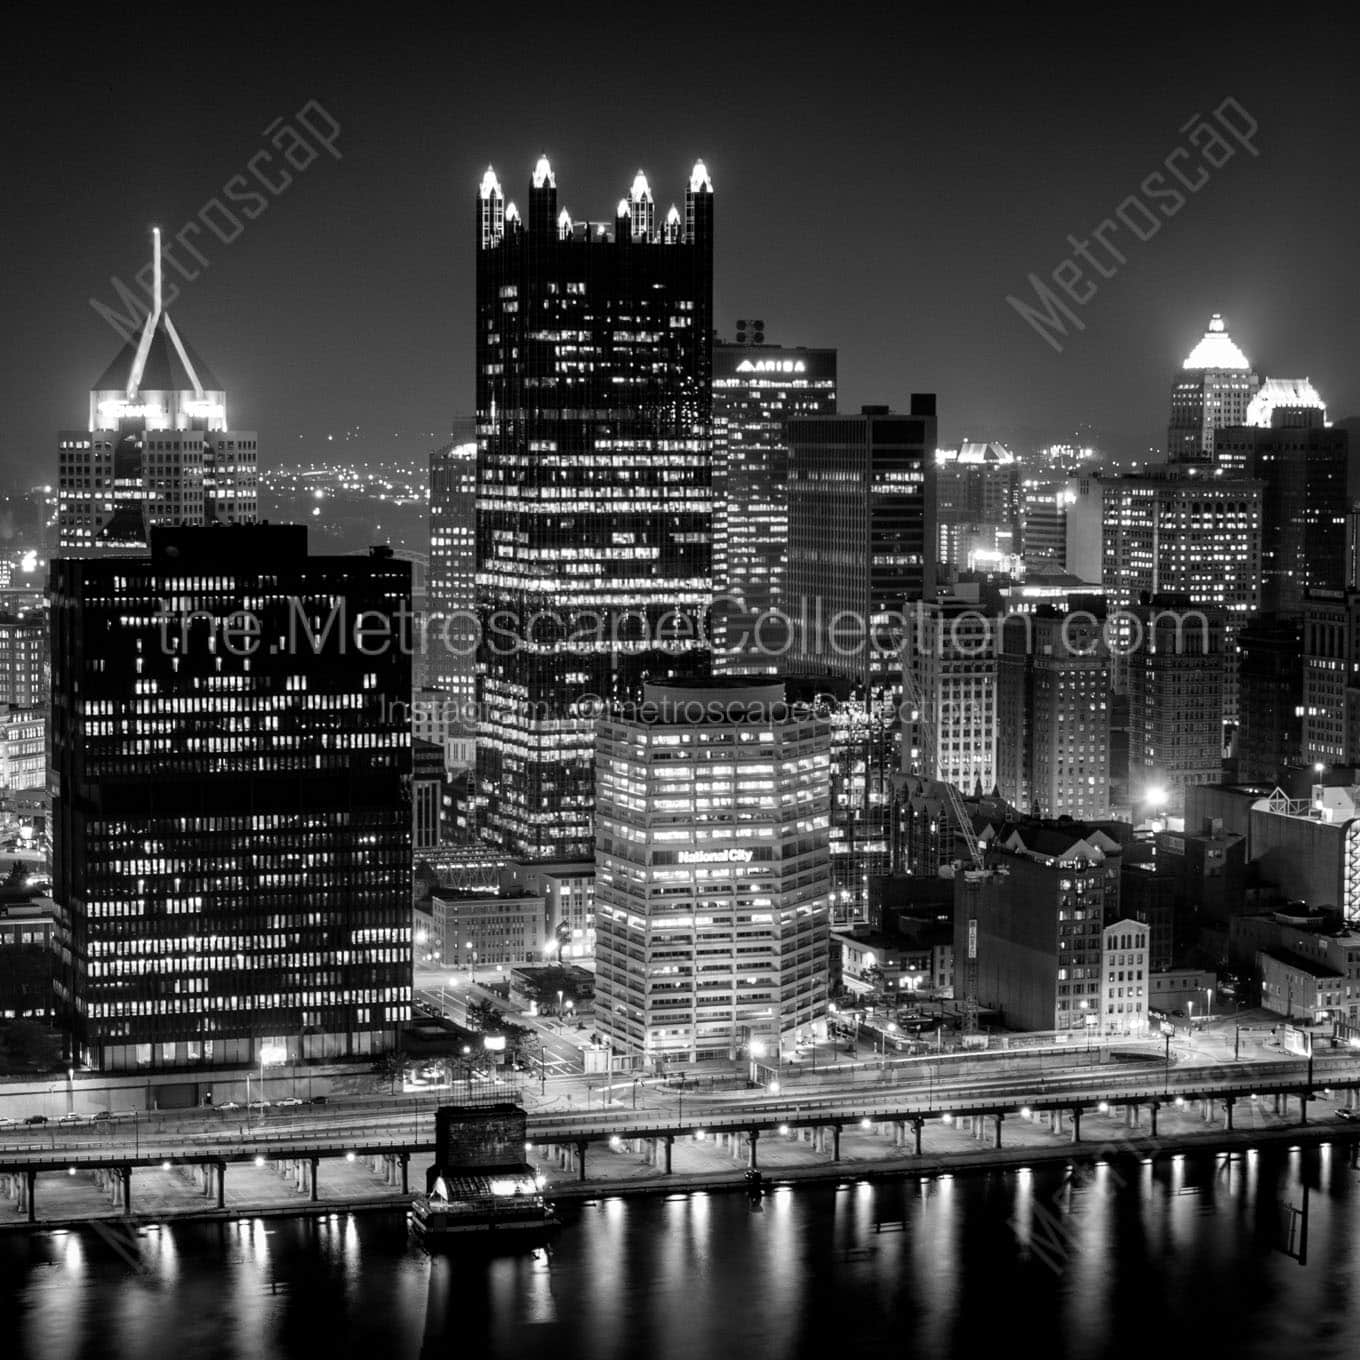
{"x": 679, "y": 683}
{"x": 889, "y": 220}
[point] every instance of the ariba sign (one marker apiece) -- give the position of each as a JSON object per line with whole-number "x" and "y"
{"x": 732, "y": 855}
{"x": 772, "y": 366}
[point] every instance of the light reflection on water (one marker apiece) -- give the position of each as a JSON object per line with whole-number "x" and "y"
{"x": 1097, "y": 1262}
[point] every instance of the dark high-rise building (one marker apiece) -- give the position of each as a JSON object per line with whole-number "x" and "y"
{"x": 1175, "y": 703}
{"x": 1301, "y": 464}
{"x": 1331, "y": 677}
{"x": 232, "y": 844}
{"x": 594, "y": 485}
{"x": 757, "y": 388}
{"x": 862, "y": 535}
{"x": 450, "y": 625}
{"x": 1269, "y": 699}
{"x": 157, "y": 450}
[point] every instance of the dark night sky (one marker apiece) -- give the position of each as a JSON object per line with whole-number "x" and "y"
{"x": 884, "y": 180}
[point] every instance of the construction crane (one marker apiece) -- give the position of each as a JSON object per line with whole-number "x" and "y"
{"x": 973, "y": 877}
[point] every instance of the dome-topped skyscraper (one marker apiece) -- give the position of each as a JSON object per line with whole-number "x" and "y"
{"x": 1213, "y": 389}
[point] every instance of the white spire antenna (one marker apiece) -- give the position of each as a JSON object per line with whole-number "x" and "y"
{"x": 152, "y": 318}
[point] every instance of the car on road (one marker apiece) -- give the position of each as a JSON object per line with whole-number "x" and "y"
{"x": 36, "y": 1119}
{"x": 101, "y": 1117}
{"x": 230, "y": 1105}
{"x": 317, "y": 1100}
{"x": 1343, "y": 1113}
{"x": 288, "y": 1102}
{"x": 70, "y": 1118}
{"x": 125, "y": 1114}
{"x": 259, "y": 1104}
{"x": 5, "y": 1121}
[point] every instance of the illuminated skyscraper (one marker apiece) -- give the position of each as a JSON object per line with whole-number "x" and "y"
{"x": 157, "y": 451}
{"x": 232, "y": 843}
{"x": 757, "y": 388}
{"x": 450, "y": 625}
{"x": 1214, "y": 389}
{"x": 1053, "y": 710}
{"x": 978, "y": 505}
{"x": 1185, "y": 530}
{"x": 24, "y": 659}
{"x": 712, "y": 873}
{"x": 594, "y": 485}
{"x": 953, "y": 658}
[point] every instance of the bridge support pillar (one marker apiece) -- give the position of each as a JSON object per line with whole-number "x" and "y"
{"x": 1076, "y": 1123}
{"x": 1303, "y": 1107}
{"x": 221, "y": 1185}
{"x": 835, "y": 1142}
{"x": 1228, "y": 1103}
{"x": 405, "y": 1174}
{"x": 1000, "y": 1119}
{"x": 127, "y": 1189}
{"x": 1277, "y": 1102}
{"x": 1055, "y": 1120}
{"x": 581, "y": 1160}
{"x": 29, "y": 1198}
{"x": 669, "y": 1143}
{"x": 917, "y": 1125}
{"x": 313, "y": 1167}
{"x": 1152, "y": 1110}
{"x": 752, "y": 1138}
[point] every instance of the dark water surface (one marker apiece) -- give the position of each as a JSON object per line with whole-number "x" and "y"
{"x": 1192, "y": 1256}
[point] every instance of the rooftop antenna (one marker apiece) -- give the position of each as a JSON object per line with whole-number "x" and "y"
{"x": 152, "y": 317}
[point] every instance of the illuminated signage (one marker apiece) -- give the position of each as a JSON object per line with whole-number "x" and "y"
{"x": 122, "y": 410}
{"x": 273, "y": 1055}
{"x": 772, "y": 366}
{"x": 494, "y": 1043}
{"x": 205, "y": 408}
{"x": 732, "y": 855}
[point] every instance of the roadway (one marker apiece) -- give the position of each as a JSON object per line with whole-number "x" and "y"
{"x": 380, "y": 1122}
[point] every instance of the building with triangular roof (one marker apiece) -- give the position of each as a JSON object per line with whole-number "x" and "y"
{"x": 157, "y": 450}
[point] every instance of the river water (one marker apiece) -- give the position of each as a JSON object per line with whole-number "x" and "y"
{"x": 1253, "y": 1254}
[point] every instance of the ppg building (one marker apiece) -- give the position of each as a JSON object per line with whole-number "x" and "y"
{"x": 594, "y": 514}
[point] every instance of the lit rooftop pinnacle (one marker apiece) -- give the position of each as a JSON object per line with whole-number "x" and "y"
{"x": 699, "y": 180}
{"x": 491, "y": 186}
{"x": 1216, "y": 349}
{"x": 1283, "y": 392}
{"x": 543, "y": 174}
{"x": 641, "y": 192}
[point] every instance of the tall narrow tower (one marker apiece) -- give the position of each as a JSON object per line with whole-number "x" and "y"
{"x": 594, "y": 502}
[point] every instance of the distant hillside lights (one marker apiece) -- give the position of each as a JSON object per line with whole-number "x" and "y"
{"x": 1137, "y": 218}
